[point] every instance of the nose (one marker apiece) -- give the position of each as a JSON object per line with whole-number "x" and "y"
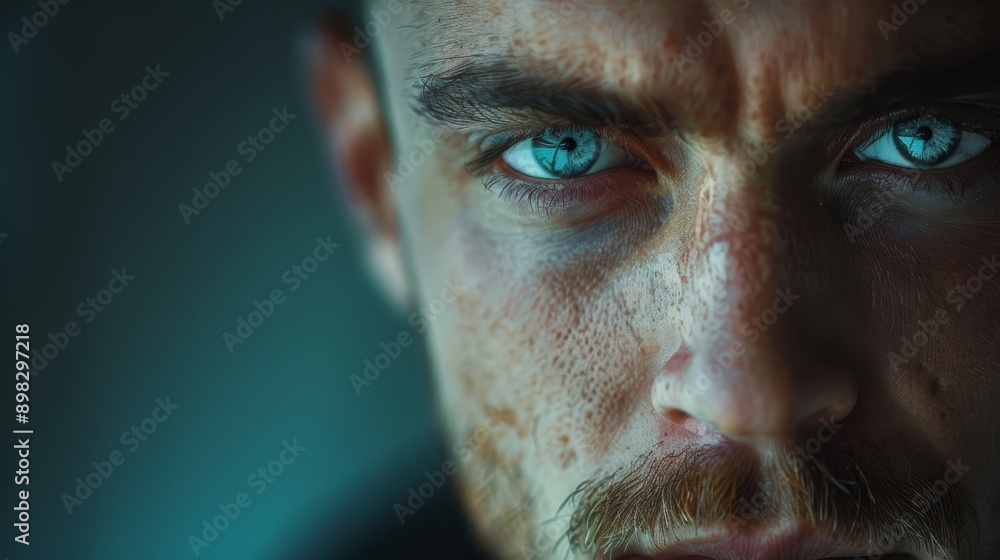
{"x": 759, "y": 391}
{"x": 753, "y": 361}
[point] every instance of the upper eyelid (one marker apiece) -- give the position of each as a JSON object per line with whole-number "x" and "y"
{"x": 486, "y": 155}
{"x": 881, "y": 124}
{"x": 841, "y": 138}
{"x": 492, "y": 144}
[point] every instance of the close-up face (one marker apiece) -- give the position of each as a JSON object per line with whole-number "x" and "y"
{"x": 710, "y": 279}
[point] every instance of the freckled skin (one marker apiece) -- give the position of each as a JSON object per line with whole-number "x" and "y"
{"x": 568, "y": 329}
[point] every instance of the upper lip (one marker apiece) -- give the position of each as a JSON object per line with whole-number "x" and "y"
{"x": 793, "y": 544}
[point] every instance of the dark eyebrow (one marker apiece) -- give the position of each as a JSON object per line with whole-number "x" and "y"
{"x": 947, "y": 78}
{"x": 482, "y": 91}
{"x": 498, "y": 92}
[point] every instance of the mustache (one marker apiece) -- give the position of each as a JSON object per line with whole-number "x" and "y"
{"x": 858, "y": 491}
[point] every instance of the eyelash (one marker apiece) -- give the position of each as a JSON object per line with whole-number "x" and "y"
{"x": 541, "y": 199}
{"x": 952, "y": 182}
{"x": 578, "y": 196}
{"x": 495, "y": 144}
{"x": 546, "y": 197}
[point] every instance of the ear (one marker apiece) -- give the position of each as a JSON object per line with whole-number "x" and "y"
{"x": 347, "y": 105}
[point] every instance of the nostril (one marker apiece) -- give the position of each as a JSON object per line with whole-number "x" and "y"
{"x": 674, "y": 404}
{"x": 676, "y": 416}
{"x": 830, "y": 400}
{"x": 684, "y": 420}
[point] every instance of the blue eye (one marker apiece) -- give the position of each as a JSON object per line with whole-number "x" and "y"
{"x": 558, "y": 154}
{"x": 925, "y": 142}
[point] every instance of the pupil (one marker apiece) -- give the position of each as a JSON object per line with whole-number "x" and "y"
{"x": 924, "y": 133}
{"x": 567, "y": 144}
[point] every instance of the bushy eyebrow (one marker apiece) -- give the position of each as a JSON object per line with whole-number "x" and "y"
{"x": 483, "y": 91}
{"x": 920, "y": 81}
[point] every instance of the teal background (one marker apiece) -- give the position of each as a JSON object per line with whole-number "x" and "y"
{"x": 162, "y": 336}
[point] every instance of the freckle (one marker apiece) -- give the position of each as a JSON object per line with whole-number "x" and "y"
{"x": 564, "y": 439}
{"x": 566, "y": 458}
{"x": 505, "y": 415}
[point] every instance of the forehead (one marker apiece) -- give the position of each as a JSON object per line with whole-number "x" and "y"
{"x": 701, "y": 58}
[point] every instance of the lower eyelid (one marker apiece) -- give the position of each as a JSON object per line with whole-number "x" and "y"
{"x": 962, "y": 186}
{"x": 971, "y": 145}
{"x": 576, "y": 199}
{"x": 627, "y": 179}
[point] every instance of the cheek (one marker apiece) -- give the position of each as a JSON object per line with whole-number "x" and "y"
{"x": 554, "y": 336}
{"x": 933, "y": 339}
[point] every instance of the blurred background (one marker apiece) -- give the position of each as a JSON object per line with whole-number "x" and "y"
{"x": 219, "y": 69}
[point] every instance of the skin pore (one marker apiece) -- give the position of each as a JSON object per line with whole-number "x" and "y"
{"x": 757, "y": 330}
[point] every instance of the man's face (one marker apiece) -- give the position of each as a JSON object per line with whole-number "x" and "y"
{"x": 726, "y": 271}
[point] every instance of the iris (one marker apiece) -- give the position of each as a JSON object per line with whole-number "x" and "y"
{"x": 926, "y": 140}
{"x": 566, "y": 154}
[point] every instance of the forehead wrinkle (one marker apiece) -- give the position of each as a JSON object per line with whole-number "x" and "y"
{"x": 839, "y": 44}
{"x": 624, "y": 63}
{"x": 450, "y": 28}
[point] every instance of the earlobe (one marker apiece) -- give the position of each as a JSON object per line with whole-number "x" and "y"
{"x": 346, "y": 102}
